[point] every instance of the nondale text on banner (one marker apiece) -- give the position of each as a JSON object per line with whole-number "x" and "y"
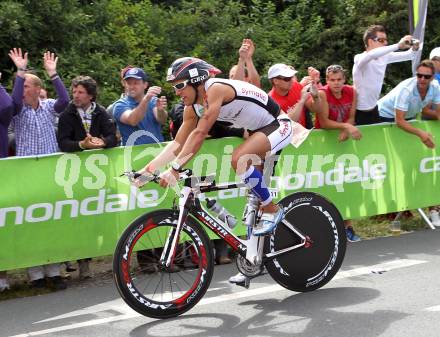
{"x": 68, "y": 206}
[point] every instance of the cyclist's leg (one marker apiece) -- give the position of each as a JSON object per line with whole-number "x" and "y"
{"x": 250, "y": 155}
{"x": 264, "y": 142}
{"x": 246, "y": 157}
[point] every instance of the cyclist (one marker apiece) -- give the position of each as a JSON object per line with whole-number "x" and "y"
{"x": 208, "y": 99}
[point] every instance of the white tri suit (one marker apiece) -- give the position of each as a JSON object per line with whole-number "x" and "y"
{"x": 254, "y": 110}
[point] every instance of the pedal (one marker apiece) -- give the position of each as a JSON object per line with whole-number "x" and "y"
{"x": 247, "y": 283}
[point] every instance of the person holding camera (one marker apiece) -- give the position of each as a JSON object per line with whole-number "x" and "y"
{"x": 370, "y": 66}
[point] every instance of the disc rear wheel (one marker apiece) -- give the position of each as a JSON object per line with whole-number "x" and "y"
{"x": 317, "y": 261}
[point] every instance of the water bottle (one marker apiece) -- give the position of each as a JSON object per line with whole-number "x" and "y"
{"x": 222, "y": 213}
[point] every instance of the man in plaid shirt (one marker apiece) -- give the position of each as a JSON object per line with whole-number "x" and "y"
{"x": 33, "y": 122}
{"x": 34, "y": 118}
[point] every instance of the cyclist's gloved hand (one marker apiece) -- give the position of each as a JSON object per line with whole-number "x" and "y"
{"x": 168, "y": 178}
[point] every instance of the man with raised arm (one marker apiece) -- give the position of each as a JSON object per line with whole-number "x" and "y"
{"x": 33, "y": 122}
{"x": 370, "y": 66}
{"x": 138, "y": 110}
{"x": 245, "y": 69}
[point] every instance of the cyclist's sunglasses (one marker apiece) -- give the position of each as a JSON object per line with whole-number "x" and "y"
{"x": 425, "y": 76}
{"x": 380, "y": 39}
{"x": 181, "y": 85}
{"x": 285, "y": 79}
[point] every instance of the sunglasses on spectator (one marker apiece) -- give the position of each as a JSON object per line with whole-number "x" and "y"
{"x": 334, "y": 69}
{"x": 425, "y": 76}
{"x": 436, "y": 58}
{"x": 380, "y": 39}
{"x": 285, "y": 79}
{"x": 181, "y": 85}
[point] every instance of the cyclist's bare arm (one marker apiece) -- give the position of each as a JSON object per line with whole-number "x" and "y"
{"x": 215, "y": 96}
{"x": 171, "y": 151}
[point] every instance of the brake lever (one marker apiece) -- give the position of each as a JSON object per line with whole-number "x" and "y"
{"x": 133, "y": 175}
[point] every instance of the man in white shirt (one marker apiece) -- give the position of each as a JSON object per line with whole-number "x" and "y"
{"x": 369, "y": 69}
{"x": 410, "y": 97}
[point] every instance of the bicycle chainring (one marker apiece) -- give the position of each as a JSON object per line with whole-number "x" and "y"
{"x": 247, "y": 268}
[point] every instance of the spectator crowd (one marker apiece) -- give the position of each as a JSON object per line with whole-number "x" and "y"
{"x": 32, "y": 124}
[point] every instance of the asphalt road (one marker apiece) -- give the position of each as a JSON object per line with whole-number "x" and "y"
{"x": 386, "y": 287}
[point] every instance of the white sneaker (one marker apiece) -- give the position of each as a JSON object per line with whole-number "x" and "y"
{"x": 239, "y": 278}
{"x": 435, "y": 217}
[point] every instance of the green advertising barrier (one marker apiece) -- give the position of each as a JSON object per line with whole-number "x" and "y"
{"x": 67, "y": 206}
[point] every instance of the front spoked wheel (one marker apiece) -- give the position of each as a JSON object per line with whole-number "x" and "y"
{"x": 319, "y": 257}
{"x": 145, "y": 284}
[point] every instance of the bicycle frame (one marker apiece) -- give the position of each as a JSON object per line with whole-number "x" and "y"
{"x": 189, "y": 203}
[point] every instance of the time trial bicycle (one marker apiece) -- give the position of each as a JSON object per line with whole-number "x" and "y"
{"x": 302, "y": 254}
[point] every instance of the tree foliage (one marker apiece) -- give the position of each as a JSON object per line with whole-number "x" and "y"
{"x": 98, "y": 38}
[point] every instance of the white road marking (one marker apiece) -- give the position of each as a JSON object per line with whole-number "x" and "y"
{"x": 79, "y": 325}
{"x": 434, "y": 308}
{"x": 395, "y": 264}
{"x": 111, "y": 305}
{"x": 116, "y": 305}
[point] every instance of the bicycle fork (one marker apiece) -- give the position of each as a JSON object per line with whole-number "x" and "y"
{"x": 170, "y": 247}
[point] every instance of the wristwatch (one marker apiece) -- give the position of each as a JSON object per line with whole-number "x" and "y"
{"x": 176, "y": 167}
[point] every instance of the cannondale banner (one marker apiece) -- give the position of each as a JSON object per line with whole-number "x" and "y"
{"x": 417, "y": 20}
{"x": 68, "y": 206}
